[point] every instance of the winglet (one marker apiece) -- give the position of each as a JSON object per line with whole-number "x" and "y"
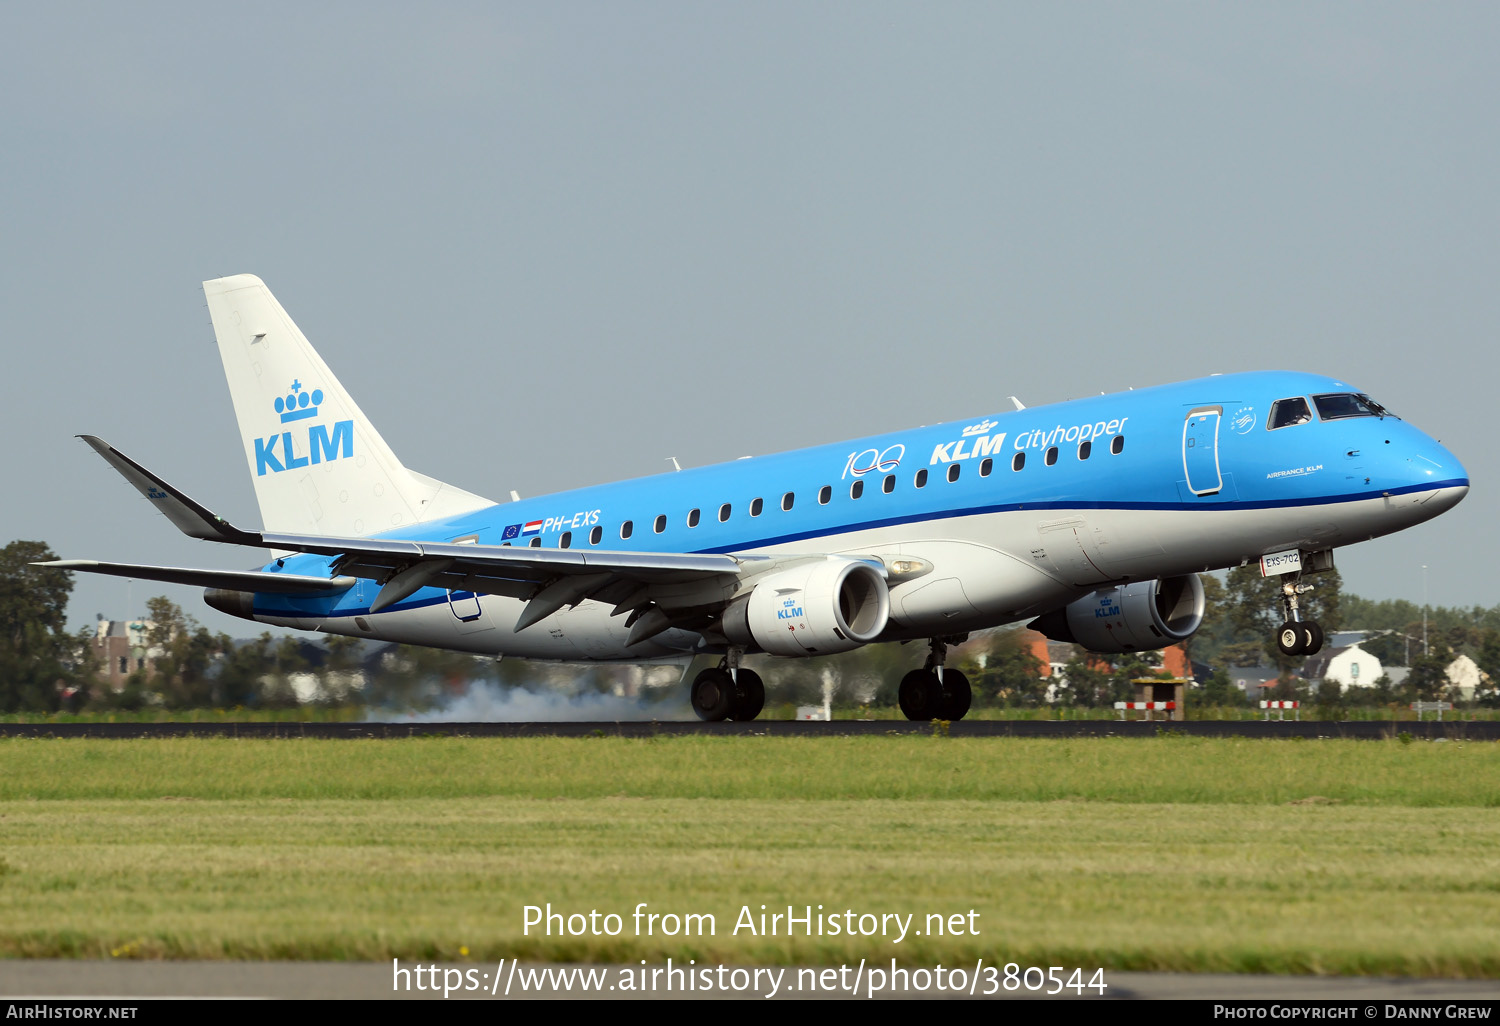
{"x": 189, "y": 517}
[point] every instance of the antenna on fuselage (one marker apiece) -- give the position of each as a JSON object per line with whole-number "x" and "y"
{"x": 1017, "y": 403}
{"x": 675, "y": 464}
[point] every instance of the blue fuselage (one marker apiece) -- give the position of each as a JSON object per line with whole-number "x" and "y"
{"x": 1181, "y": 477}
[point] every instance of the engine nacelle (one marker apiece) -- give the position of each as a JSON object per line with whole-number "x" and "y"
{"x": 833, "y": 605}
{"x": 1138, "y": 617}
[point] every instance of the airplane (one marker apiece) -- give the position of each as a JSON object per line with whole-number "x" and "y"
{"x": 1090, "y": 518}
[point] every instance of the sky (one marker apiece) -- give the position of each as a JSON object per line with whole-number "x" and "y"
{"x": 549, "y": 245}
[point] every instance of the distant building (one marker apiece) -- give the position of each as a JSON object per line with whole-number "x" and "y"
{"x": 1054, "y": 657}
{"x": 1254, "y": 681}
{"x": 1466, "y": 677}
{"x": 1349, "y": 665}
{"x": 1174, "y": 660}
{"x": 121, "y": 648}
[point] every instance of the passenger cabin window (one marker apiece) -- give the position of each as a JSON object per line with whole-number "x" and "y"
{"x": 693, "y": 518}
{"x": 661, "y": 523}
{"x": 596, "y": 535}
{"x": 1084, "y": 448}
{"x": 985, "y": 467}
{"x": 724, "y": 512}
{"x": 953, "y": 469}
{"x": 1288, "y": 413}
{"x": 921, "y": 479}
{"x": 1051, "y": 456}
{"x": 566, "y": 540}
{"x": 536, "y": 542}
{"x": 824, "y": 494}
{"x": 889, "y": 485}
{"x": 1339, "y": 405}
{"x": 626, "y": 529}
{"x": 756, "y": 505}
{"x": 787, "y": 500}
{"x": 1018, "y": 461}
{"x": 1117, "y": 445}
{"x": 856, "y": 489}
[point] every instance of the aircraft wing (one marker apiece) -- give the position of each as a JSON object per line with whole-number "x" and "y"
{"x": 548, "y": 578}
{"x": 638, "y": 583}
{"x": 657, "y": 589}
{"x": 234, "y": 580}
{"x": 383, "y": 551}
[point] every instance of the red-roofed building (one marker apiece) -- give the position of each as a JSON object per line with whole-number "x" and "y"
{"x": 1054, "y": 655}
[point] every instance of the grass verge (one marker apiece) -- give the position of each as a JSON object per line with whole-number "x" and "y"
{"x": 1164, "y": 769}
{"x": 1170, "y": 854}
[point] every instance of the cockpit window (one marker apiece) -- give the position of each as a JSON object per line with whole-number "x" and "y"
{"x": 1338, "y": 405}
{"x": 1287, "y": 412}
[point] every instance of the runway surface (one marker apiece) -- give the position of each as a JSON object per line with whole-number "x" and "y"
{"x": 1451, "y": 730}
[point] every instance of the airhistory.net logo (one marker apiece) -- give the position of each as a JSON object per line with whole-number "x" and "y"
{"x": 279, "y": 452}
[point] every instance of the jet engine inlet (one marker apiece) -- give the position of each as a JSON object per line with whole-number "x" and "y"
{"x": 1137, "y": 617}
{"x": 831, "y": 606}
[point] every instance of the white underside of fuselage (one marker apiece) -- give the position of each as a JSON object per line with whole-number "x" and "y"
{"x": 986, "y": 570}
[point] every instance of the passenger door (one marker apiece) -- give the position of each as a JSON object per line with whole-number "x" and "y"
{"x": 1200, "y": 450}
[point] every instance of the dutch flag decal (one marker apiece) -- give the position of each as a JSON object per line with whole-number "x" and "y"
{"x": 535, "y": 527}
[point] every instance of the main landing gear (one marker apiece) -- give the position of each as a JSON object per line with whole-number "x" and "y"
{"x": 1297, "y": 637}
{"x": 728, "y": 692}
{"x": 935, "y": 692}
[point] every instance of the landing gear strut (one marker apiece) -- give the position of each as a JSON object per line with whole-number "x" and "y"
{"x": 728, "y": 692}
{"x": 1297, "y": 636}
{"x": 935, "y": 692}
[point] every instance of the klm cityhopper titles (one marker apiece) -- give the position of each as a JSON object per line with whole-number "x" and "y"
{"x": 1092, "y": 519}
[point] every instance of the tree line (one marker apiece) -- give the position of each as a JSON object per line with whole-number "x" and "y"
{"x": 45, "y": 668}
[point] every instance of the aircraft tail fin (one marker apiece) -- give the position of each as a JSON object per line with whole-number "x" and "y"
{"x": 318, "y": 464}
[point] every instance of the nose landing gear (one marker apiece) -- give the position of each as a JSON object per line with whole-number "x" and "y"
{"x": 935, "y": 692}
{"x": 1297, "y": 637}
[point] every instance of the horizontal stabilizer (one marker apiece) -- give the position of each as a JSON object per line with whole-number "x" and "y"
{"x": 231, "y": 580}
{"x": 188, "y": 516}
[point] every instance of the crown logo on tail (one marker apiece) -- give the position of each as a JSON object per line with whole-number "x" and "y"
{"x": 297, "y": 404}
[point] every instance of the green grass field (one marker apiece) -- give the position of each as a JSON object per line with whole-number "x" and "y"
{"x": 1168, "y": 853}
